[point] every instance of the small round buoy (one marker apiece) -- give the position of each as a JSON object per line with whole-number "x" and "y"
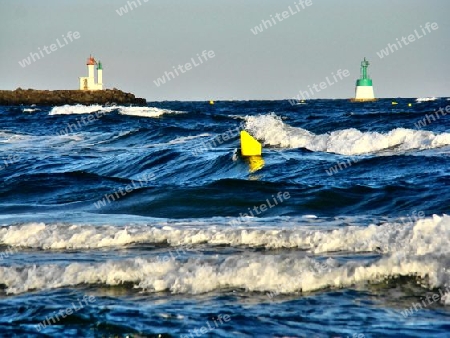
{"x": 409, "y": 104}
{"x": 211, "y": 102}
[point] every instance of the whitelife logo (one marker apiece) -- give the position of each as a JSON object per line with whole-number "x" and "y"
{"x": 68, "y": 38}
{"x": 130, "y": 6}
{"x": 259, "y": 209}
{"x": 303, "y": 95}
{"x": 392, "y": 47}
{"x": 266, "y": 24}
{"x": 57, "y": 316}
{"x": 435, "y": 297}
{"x": 206, "y": 55}
{"x": 428, "y": 119}
{"x": 220, "y": 320}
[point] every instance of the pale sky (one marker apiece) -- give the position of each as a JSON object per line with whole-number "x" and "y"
{"x": 299, "y": 51}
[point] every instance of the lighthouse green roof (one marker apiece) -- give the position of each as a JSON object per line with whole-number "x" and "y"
{"x": 364, "y": 79}
{"x": 99, "y": 65}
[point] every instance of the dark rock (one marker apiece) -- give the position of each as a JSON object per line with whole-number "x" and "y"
{"x": 61, "y": 97}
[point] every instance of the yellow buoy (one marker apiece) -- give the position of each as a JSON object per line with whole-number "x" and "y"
{"x": 249, "y": 145}
{"x": 393, "y": 103}
{"x": 409, "y": 104}
{"x": 211, "y": 102}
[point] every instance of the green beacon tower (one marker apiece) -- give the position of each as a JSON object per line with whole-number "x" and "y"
{"x": 364, "y": 87}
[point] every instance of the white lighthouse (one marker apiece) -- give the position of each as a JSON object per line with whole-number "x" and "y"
{"x": 88, "y": 82}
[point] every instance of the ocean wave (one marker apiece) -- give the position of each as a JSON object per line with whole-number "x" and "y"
{"x": 416, "y": 249}
{"x": 278, "y": 273}
{"x": 146, "y": 111}
{"x": 425, "y": 99}
{"x": 37, "y": 141}
{"x": 30, "y": 110}
{"x": 79, "y": 109}
{"x": 185, "y": 139}
{"x": 274, "y": 132}
{"x": 11, "y": 137}
{"x": 124, "y": 110}
{"x": 416, "y": 238}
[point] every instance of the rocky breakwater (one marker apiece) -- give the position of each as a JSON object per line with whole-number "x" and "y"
{"x": 62, "y": 97}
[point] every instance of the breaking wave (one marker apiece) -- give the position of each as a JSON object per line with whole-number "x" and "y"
{"x": 425, "y": 99}
{"x": 416, "y": 249}
{"x": 79, "y": 109}
{"x": 251, "y": 272}
{"x": 146, "y": 111}
{"x": 132, "y": 111}
{"x": 30, "y": 110}
{"x": 274, "y": 132}
{"x": 421, "y": 237}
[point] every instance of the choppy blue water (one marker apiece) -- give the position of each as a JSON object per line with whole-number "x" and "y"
{"x": 146, "y": 222}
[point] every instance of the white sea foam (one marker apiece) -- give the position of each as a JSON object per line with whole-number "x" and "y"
{"x": 146, "y": 111}
{"x": 416, "y": 249}
{"x": 274, "y": 132}
{"x": 425, "y": 99}
{"x": 309, "y": 216}
{"x": 132, "y": 111}
{"x": 388, "y": 237}
{"x": 79, "y": 109}
{"x": 407, "y": 249}
{"x": 30, "y": 110}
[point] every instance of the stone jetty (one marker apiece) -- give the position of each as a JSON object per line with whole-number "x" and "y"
{"x": 61, "y": 97}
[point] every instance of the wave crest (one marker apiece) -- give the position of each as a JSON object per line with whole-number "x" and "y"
{"x": 418, "y": 249}
{"x": 146, "y": 111}
{"x": 79, "y": 109}
{"x": 274, "y": 132}
{"x": 132, "y": 111}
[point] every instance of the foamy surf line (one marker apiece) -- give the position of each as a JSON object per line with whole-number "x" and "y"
{"x": 80, "y": 109}
{"x": 146, "y": 111}
{"x": 271, "y": 130}
{"x": 424, "y": 236}
{"x": 417, "y": 249}
{"x": 252, "y": 272}
{"x": 132, "y": 111}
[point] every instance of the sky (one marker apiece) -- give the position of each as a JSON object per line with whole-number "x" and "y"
{"x": 298, "y": 52}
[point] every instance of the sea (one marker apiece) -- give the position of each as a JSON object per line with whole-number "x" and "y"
{"x": 120, "y": 221}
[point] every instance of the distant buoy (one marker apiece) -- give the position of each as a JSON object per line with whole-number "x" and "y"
{"x": 394, "y": 103}
{"x": 211, "y": 102}
{"x": 409, "y": 104}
